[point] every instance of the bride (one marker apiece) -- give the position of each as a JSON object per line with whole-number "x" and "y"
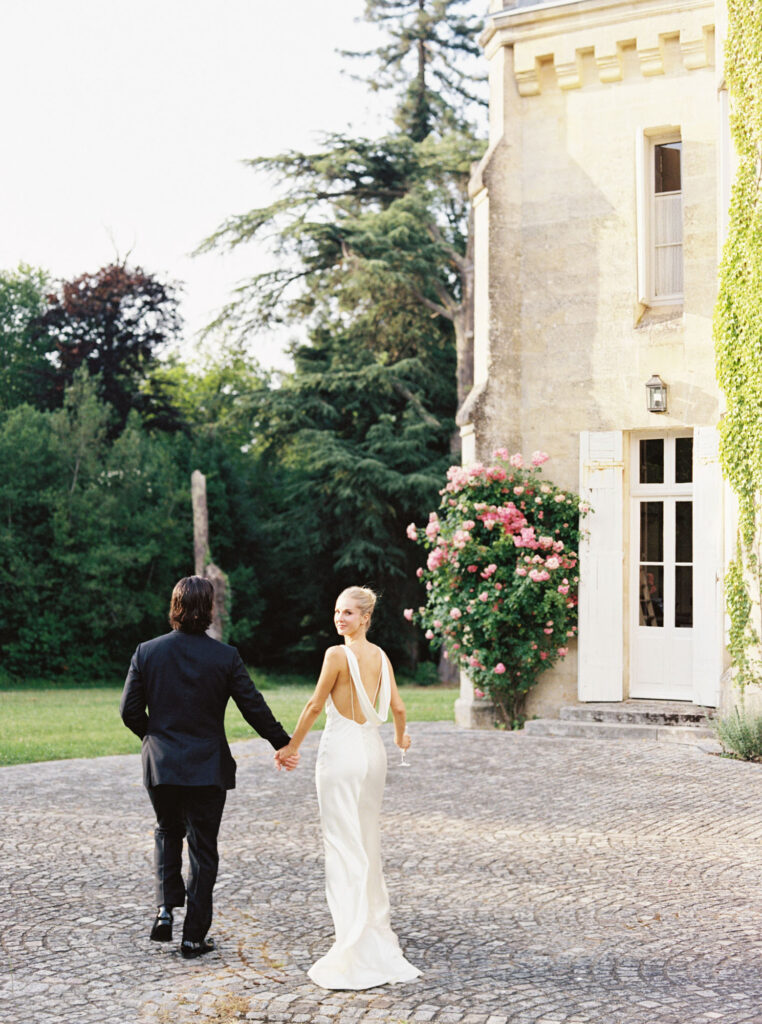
{"x": 357, "y": 686}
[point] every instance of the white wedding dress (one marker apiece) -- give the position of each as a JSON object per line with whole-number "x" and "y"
{"x": 350, "y": 776}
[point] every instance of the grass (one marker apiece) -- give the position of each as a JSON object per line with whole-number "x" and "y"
{"x": 44, "y": 721}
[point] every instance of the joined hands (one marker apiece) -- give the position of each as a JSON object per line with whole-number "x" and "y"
{"x": 287, "y": 757}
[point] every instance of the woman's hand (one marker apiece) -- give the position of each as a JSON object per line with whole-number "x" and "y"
{"x": 287, "y": 757}
{"x": 404, "y": 743}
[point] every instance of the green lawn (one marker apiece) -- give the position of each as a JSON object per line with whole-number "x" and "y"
{"x": 40, "y": 722}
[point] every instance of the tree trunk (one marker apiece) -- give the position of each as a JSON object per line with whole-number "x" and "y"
{"x": 203, "y": 564}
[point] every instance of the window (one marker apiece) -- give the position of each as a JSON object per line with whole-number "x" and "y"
{"x": 660, "y": 219}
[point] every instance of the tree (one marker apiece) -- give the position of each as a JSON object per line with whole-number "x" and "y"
{"x": 114, "y": 322}
{"x": 94, "y": 534}
{"x": 368, "y": 228}
{"x": 428, "y": 41}
{"x": 372, "y": 257}
{"x": 25, "y": 364}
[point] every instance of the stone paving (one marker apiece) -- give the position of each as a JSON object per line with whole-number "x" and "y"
{"x": 534, "y": 880}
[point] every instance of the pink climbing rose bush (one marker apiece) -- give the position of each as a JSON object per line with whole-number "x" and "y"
{"x": 501, "y": 574}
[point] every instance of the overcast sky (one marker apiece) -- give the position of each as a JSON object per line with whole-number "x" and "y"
{"x": 124, "y": 123}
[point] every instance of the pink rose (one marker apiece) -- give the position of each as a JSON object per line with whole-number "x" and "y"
{"x": 552, "y": 563}
{"x": 563, "y": 651}
{"x": 518, "y": 490}
{"x": 408, "y": 613}
{"x": 500, "y": 453}
{"x": 484, "y": 596}
{"x": 499, "y": 668}
{"x": 429, "y": 634}
{"x": 419, "y": 572}
{"x": 516, "y": 461}
{"x": 412, "y": 531}
{"x": 455, "y": 613}
{"x": 472, "y": 568}
{"x": 563, "y": 590}
{"x": 521, "y": 572}
{"x": 548, "y": 632}
{"x": 539, "y": 457}
{"x": 478, "y": 694}
{"x": 437, "y": 623}
{"x": 560, "y": 497}
{"x": 498, "y": 586}
{"x": 543, "y": 655}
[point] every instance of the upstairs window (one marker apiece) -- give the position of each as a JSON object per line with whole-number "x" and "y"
{"x": 660, "y": 220}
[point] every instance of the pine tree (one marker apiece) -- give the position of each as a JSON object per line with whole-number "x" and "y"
{"x": 372, "y": 256}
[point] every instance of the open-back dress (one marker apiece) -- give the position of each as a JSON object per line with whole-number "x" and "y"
{"x": 350, "y": 776}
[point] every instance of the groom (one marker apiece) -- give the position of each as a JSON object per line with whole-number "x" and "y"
{"x": 185, "y": 679}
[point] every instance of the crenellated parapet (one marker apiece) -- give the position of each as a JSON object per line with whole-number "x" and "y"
{"x": 575, "y": 43}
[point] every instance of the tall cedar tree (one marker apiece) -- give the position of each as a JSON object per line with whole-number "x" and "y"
{"x": 423, "y": 59}
{"x": 372, "y": 254}
{"x": 114, "y": 322}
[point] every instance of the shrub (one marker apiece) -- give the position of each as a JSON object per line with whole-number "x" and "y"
{"x": 741, "y": 733}
{"x": 500, "y": 575}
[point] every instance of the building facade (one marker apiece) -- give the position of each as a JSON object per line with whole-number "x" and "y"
{"x": 599, "y": 214}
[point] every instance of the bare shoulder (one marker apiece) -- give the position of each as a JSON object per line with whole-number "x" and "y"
{"x": 334, "y": 655}
{"x": 384, "y": 656}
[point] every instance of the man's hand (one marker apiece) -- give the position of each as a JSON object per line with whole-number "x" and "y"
{"x": 287, "y": 757}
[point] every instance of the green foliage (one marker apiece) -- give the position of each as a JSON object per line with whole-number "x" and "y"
{"x": 24, "y": 367}
{"x": 738, "y": 335}
{"x": 501, "y": 576}
{"x": 741, "y": 733}
{"x": 424, "y": 60}
{"x": 113, "y": 322}
{"x": 94, "y": 535}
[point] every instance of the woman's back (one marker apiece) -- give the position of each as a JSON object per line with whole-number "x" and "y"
{"x": 343, "y": 695}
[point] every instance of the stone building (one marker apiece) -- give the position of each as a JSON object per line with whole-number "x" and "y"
{"x": 599, "y": 213}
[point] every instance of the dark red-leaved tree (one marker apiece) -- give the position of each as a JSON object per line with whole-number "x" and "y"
{"x": 115, "y": 321}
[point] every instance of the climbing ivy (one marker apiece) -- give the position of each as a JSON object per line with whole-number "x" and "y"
{"x": 738, "y": 335}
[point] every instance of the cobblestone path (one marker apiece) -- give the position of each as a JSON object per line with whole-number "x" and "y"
{"x": 533, "y": 880}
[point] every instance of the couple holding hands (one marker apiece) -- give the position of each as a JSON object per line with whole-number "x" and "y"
{"x": 174, "y": 699}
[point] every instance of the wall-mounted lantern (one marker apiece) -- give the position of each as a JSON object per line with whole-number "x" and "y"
{"x": 656, "y": 392}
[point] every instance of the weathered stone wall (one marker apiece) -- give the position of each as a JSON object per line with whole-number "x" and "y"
{"x": 562, "y": 343}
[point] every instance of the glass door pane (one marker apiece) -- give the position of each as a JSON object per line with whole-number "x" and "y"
{"x": 684, "y": 564}
{"x": 651, "y": 584}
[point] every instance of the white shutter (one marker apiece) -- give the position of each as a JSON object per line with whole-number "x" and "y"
{"x": 601, "y": 567}
{"x": 708, "y": 568}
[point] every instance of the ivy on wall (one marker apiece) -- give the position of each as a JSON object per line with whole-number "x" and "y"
{"x": 738, "y": 335}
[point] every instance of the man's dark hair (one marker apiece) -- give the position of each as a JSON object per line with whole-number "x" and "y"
{"x": 192, "y": 604}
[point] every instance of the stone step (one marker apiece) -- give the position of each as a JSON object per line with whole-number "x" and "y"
{"x": 590, "y": 730}
{"x": 640, "y": 712}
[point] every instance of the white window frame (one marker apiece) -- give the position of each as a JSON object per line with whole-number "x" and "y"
{"x": 646, "y": 141}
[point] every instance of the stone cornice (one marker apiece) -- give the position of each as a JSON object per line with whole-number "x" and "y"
{"x": 563, "y": 33}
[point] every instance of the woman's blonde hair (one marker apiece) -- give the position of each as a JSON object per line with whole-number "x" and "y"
{"x": 363, "y": 597}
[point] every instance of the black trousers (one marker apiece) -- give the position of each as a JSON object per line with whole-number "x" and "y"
{"x": 194, "y": 812}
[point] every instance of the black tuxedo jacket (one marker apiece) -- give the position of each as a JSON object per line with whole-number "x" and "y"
{"x": 185, "y": 681}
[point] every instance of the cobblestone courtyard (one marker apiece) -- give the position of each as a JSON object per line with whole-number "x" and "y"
{"x": 533, "y": 880}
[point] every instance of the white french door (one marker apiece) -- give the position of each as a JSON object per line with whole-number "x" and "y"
{"x": 661, "y": 566}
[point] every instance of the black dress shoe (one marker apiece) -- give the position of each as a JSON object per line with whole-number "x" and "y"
{"x": 162, "y": 926}
{"x": 190, "y": 950}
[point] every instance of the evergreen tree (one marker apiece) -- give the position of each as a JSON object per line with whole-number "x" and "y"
{"x": 429, "y": 41}
{"x": 372, "y": 256}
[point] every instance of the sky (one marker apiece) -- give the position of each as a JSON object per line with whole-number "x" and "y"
{"x": 125, "y": 123}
